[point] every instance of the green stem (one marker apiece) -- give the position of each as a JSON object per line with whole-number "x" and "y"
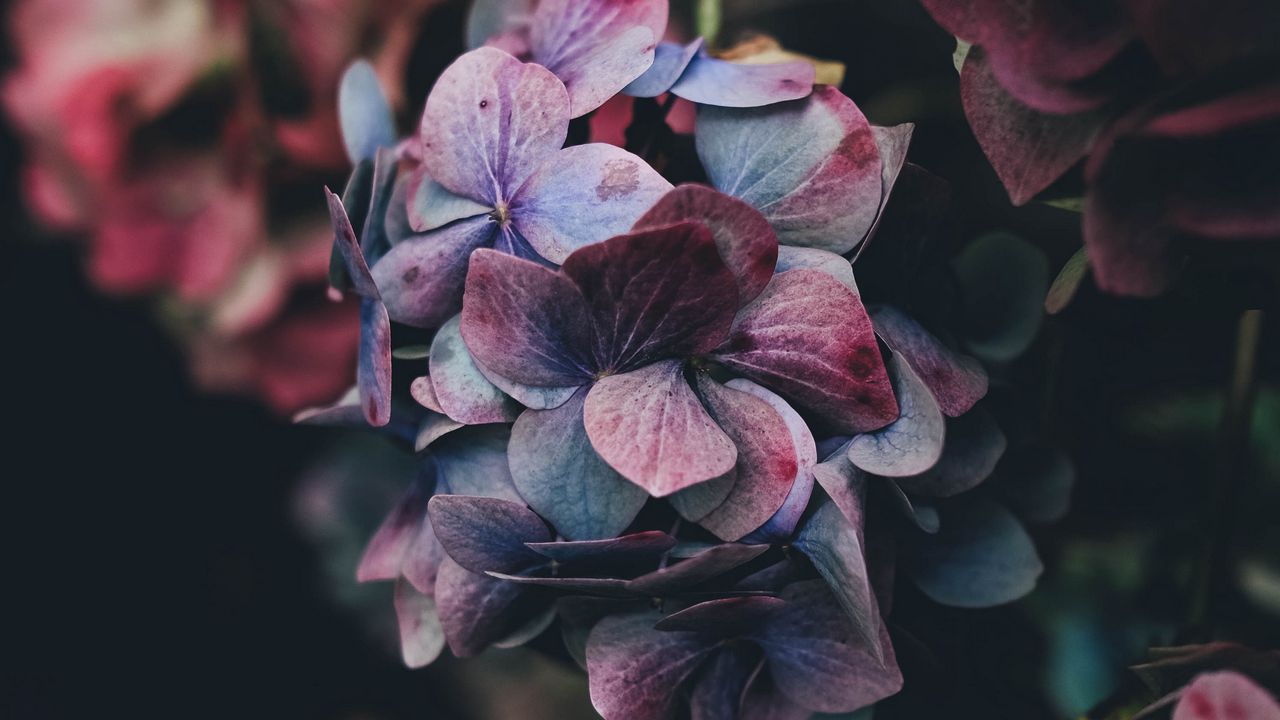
{"x": 707, "y": 20}
{"x": 1213, "y": 573}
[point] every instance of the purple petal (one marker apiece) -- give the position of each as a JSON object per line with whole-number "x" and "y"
{"x": 489, "y": 122}
{"x": 845, "y": 484}
{"x": 1225, "y": 695}
{"x": 654, "y": 294}
{"x": 596, "y": 48}
{"x": 532, "y": 397}
{"x": 374, "y": 367}
{"x": 579, "y": 614}
{"x": 711, "y": 81}
{"x": 348, "y": 247}
{"x": 346, "y": 412}
{"x": 363, "y": 113}
{"x": 474, "y": 609}
{"x": 925, "y": 517}
{"x": 635, "y": 671}
{"x": 974, "y": 444}
{"x": 648, "y": 545}
{"x": 422, "y": 561}
{"x": 727, "y": 617}
{"x": 612, "y": 587}
{"x": 429, "y": 206}
{"x": 487, "y": 533}
{"x": 706, "y": 565}
{"x": 464, "y": 393}
{"x": 696, "y": 501}
{"x": 762, "y": 700}
{"x": 422, "y": 277}
{"x": 718, "y": 694}
{"x": 784, "y": 520}
{"x": 743, "y": 237}
{"x": 650, "y": 427}
{"x": 669, "y": 63}
{"x": 819, "y": 661}
{"x": 1028, "y": 149}
{"x": 808, "y": 338}
{"x": 525, "y": 322}
{"x": 421, "y": 637}
{"x": 981, "y": 557}
{"x": 911, "y": 444}
{"x": 767, "y": 465}
{"x": 374, "y": 237}
{"x": 837, "y": 266}
{"x": 582, "y": 195}
{"x": 956, "y": 381}
{"x": 834, "y": 545}
{"x": 560, "y": 475}
{"x": 385, "y": 553}
{"x": 473, "y": 461}
{"x": 529, "y": 631}
{"x": 811, "y": 166}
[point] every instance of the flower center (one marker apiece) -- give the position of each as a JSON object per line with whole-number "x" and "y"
{"x": 501, "y": 214}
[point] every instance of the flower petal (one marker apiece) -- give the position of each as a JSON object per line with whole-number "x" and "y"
{"x": 475, "y": 610}
{"x": 818, "y": 660}
{"x": 669, "y": 63}
{"x": 780, "y": 526}
{"x": 974, "y": 444}
{"x": 1036, "y": 483}
{"x": 525, "y": 322}
{"x": 386, "y": 550}
{"x": 648, "y": 545}
{"x": 1004, "y": 280}
{"x": 712, "y": 81}
{"x": 911, "y": 444}
{"x": 364, "y": 113}
{"x": 430, "y": 206}
{"x": 561, "y": 477}
{"x": 596, "y": 48}
{"x": 981, "y": 557}
{"x": 487, "y": 533}
{"x": 746, "y": 242}
{"x": 422, "y": 277}
{"x": 463, "y": 392}
{"x": 1225, "y": 695}
{"x": 421, "y": 636}
{"x": 725, "y": 617}
{"x": 811, "y": 166}
{"x": 834, "y": 545}
{"x": 706, "y": 565}
{"x": 767, "y": 465}
{"x": 654, "y": 294}
{"x": 488, "y": 18}
{"x": 956, "y": 381}
{"x": 473, "y": 461}
{"x": 650, "y": 427}
{"x": 837, "y": 266}
{"x": 489, "y": 122}
{"x": 635, "y": 671}
{"x": 582, "y": 195}
{"x": 808, "y": 338}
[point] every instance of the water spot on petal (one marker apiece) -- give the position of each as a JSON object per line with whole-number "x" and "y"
{"x": 621, "y": 178}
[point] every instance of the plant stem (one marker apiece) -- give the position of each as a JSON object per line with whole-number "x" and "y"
{"x": 707, "y": 20}
{"x": 1213, "y": 573}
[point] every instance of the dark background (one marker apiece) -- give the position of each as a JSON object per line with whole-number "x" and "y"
{"x": 152, "y": 565}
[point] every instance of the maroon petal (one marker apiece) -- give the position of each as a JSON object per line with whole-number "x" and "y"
{"x": 837, "y": 266}
{"x": 767, "y": 464}
{"x": 1028, "y": 149}
{"x": 421, "y": 636}
{"x": 718, "y": 693}
{"x": 596, "y": 48}
{"x": 808, "y": 338}
{"x": 642, "y": 545}
{"x": 635, "y": 671}
{"x": 474, "y": 609}
{"x": 463, "y": 392}
{"x": 844, "y": 483}
{"x": 956, "y": 381}
{"x": 525, "y": 322}
{"x": 1225, "y": 695}
{"x": 487, "y": 533}
{"x": 744, "y": 238}
{"x": 706, "y": 565}
{"x": 489, "y": 122}
{"x": 650, "y": 427}
{"x": 911, "y": 444}
{"x": 611, "y": 587}
{"x": 654, "y": 294}
{"x": 385, "y": 553}
{"x": 424, "y": 393}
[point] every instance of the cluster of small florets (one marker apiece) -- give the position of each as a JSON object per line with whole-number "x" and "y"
{"x": 650, "y": 416}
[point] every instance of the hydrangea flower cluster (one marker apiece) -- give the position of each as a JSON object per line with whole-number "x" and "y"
{"x": 1173, "y": 102}
{"x": 656, "y": 418}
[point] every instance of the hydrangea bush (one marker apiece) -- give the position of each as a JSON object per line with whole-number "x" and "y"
{"x": 658, "y": 421}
